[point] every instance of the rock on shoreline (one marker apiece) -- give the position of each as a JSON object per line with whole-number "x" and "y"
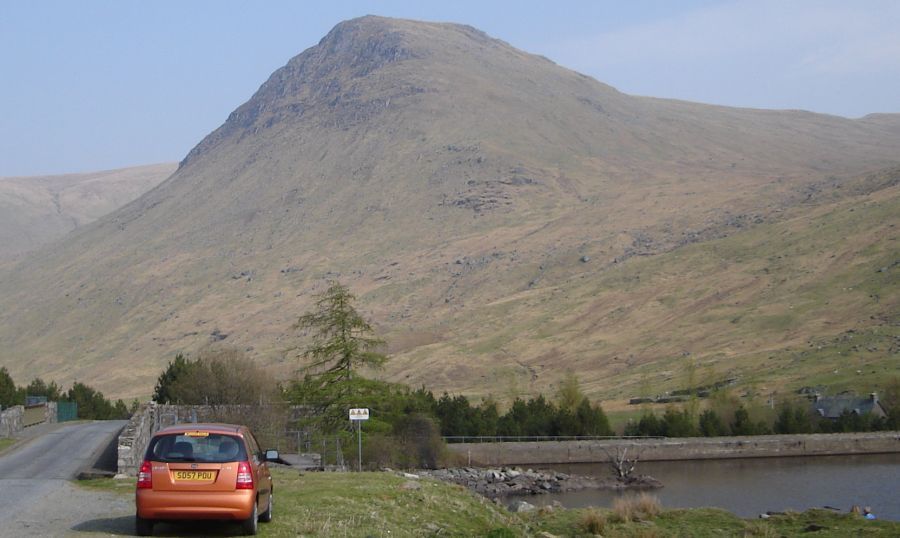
{"x": 495, "y": 483}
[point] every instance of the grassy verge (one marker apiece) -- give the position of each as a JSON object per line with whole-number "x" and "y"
{"x": 384, "y": 504}
{"x": 5, "y": 443}
{"x": 124, "y": 487}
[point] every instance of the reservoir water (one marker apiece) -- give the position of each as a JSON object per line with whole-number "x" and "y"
{"x": 749, "y": 487}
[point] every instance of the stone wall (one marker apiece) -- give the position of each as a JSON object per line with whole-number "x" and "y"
{"x": 152, "y": 416}
{"x": 694, "y": 448}
{"x": 134, "y": 438}
{"x": 11, "y": 420}
{"x": 50, "y": 413}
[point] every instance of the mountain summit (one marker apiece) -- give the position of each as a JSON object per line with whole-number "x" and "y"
{"x": 477, "y": 198}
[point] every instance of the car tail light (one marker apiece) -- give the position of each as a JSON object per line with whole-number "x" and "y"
{"x": 244, "y": 476}
{"x": 145, "y": 477}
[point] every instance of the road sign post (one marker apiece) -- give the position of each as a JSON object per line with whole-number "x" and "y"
{"x": 358, "y": 415}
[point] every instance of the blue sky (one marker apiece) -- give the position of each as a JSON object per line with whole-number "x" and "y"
{"x": 93, "y": 84}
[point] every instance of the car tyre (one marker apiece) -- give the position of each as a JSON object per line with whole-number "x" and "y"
{"x": 266, "y": 516}
{"x": 143, "y": 527}
{"x": 250, "y": 525}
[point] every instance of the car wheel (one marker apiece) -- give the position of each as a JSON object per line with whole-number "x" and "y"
{"x": 143, "y": 527}
{"x": 251, "y": 524}
{"x": 266, "y": 516}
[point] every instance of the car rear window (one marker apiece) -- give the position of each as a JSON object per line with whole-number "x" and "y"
{"x": 203, "y": 447}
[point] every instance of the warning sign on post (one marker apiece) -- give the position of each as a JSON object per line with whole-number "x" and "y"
{"x": 359, "y": 414}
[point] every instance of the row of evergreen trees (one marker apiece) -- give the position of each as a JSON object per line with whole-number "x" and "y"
{"x": 680, "y": 423}
{"x": 92, "y": 405}
{"x": 536, "y": 417}
{"x": 791, "y": 418}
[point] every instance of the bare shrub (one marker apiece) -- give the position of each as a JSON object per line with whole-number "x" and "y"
{"x": 380, "y": 451}
{"x": 621, "y": 464}
{"x": 634, "y": 508}
{"x": 420, "y": 439}
{"x": 224, "y": 376}
{"x": 593, "y": 521}
{"x": 414, "y": 443}
{"x": 232, "y": 388}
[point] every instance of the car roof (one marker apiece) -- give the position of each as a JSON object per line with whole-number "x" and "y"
{"x": 205, "y": 427}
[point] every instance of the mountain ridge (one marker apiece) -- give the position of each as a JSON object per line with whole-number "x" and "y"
{"x": 35, "y": 210}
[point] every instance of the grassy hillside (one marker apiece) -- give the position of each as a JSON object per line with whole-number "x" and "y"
{"x": 809, "y": 299}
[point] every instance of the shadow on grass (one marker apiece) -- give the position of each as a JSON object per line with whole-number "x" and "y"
{"x": 124, "y": 526}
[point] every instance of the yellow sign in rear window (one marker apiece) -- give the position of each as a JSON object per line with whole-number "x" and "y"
{"x": 196, "y": 434}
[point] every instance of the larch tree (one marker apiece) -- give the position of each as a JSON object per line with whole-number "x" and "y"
{"x": 342, "y": 343}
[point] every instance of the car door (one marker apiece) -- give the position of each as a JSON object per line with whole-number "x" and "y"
{"x": 264, "y": 477}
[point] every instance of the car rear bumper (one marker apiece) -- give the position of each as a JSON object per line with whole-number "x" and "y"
{"x": 194, "y": 505}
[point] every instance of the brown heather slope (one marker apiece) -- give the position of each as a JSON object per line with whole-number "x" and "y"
{"x": 455, "y": 184}
{"x": 37, "y": 210}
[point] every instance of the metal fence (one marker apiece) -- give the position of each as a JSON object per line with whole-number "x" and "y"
{"x": 274, "y": 426}
{"x": 35, "y": 400}
{"x": 539, "y": 438}
{"x": 331, "y": 448}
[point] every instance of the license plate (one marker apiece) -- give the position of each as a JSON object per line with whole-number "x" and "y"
{"x": 195, "y": 476}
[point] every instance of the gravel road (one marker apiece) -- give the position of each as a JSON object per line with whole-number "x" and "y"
{"x": 37, "y": 497}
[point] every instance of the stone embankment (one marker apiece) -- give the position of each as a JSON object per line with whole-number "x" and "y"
{"x": 673, "y": 449}
{"x": 497, "y": 483}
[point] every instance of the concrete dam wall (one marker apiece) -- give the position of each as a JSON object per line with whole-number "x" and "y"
{"x": 673, "y": 449}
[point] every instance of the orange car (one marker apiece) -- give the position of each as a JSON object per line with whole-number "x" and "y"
{"x": 204, "y": 471}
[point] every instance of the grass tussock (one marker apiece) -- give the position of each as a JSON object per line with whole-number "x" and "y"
{"x": 760, "y": 529}
{"x": 636, "y": 507}
{"x": 593, "y": 521}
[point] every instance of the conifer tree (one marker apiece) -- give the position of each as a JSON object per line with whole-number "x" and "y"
{"x": 343, "y": 340}
{"x": 10, "y": 395}
{"x": 342, "y": 343}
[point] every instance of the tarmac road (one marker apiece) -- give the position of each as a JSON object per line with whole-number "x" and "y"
{"x": 36, "y": 495}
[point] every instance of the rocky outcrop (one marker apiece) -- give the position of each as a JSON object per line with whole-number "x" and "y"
{"x": 495, "y": 483}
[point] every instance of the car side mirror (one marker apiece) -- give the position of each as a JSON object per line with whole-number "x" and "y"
{"x": 272, "y": 455}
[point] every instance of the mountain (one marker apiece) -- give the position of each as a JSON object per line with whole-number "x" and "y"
{"x": 37, "y": 210}
{"x": 501, "y": 218}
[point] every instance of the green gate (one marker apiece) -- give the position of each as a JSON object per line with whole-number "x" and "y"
{"x": 66, "y": 411}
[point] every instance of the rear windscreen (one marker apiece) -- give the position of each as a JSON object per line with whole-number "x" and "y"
{"x": 199, "y": 447}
